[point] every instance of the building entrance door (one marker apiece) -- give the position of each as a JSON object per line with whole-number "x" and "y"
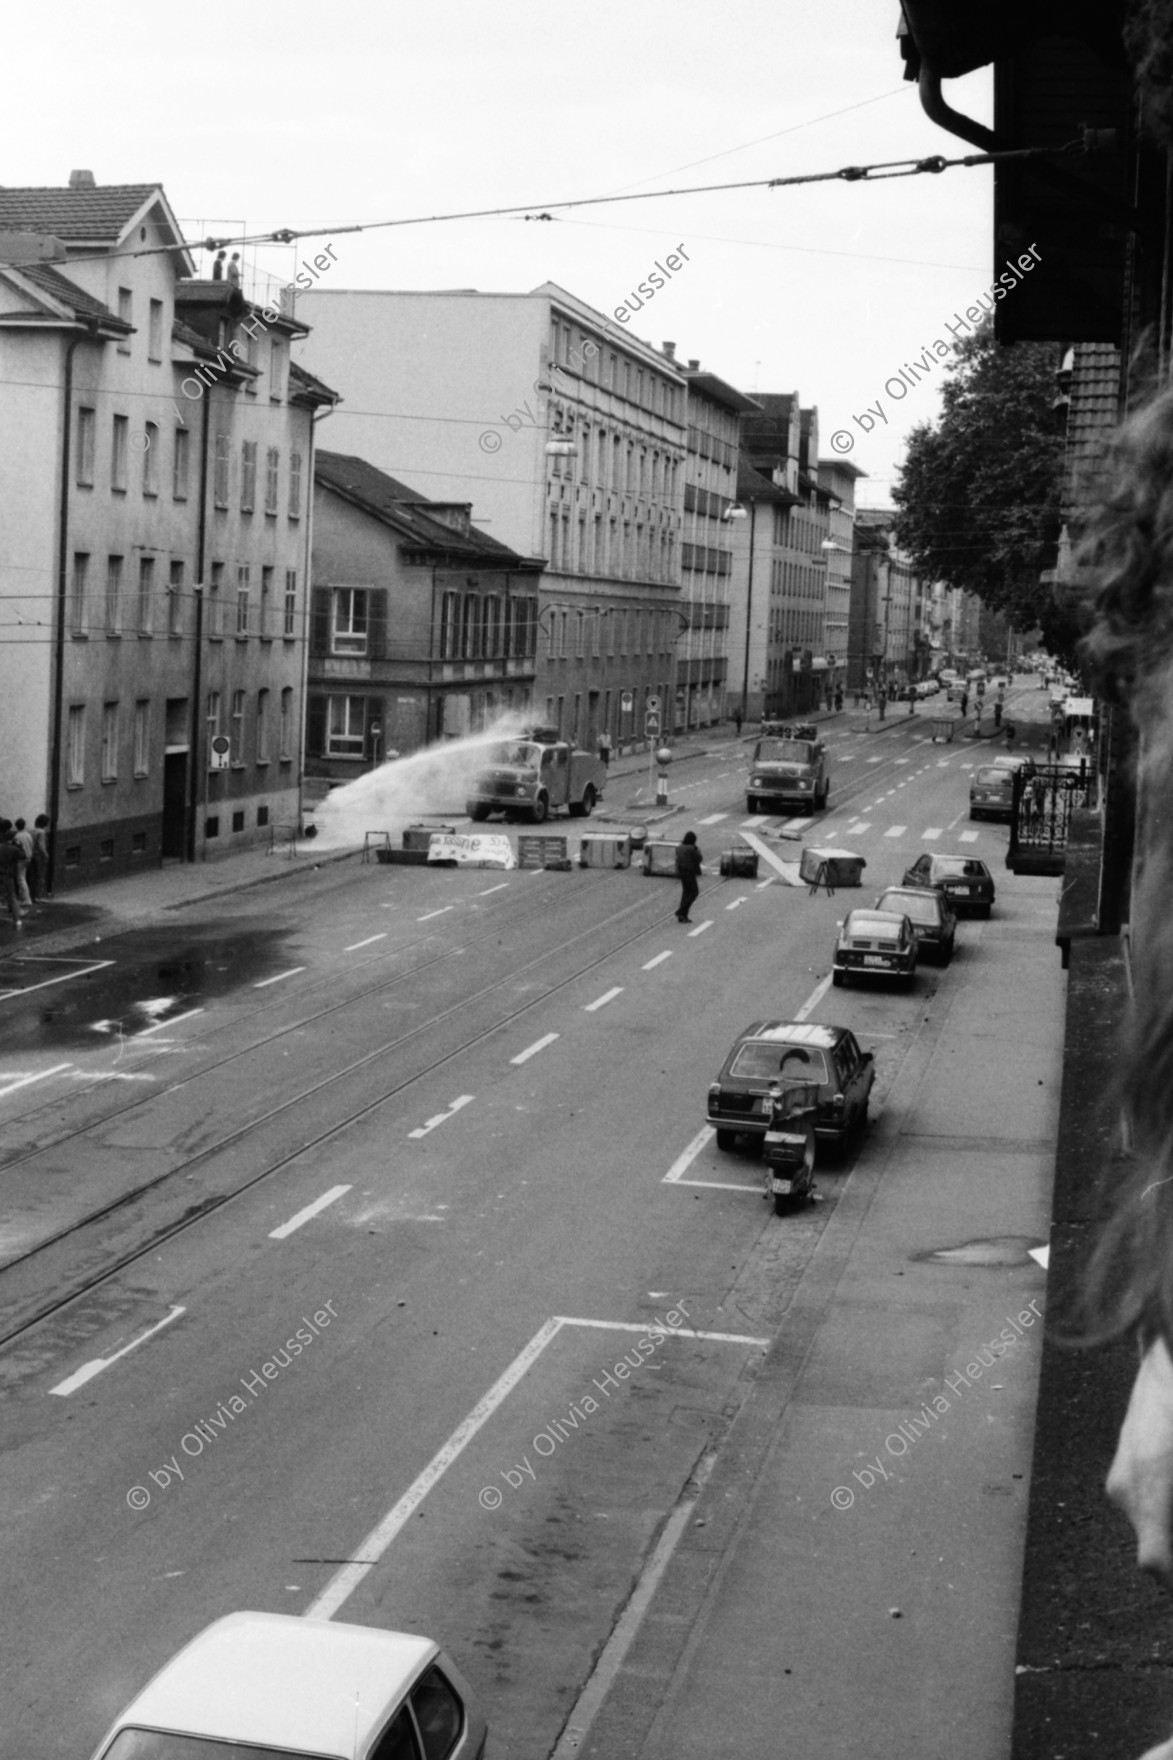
{"x": 174, "y": 805}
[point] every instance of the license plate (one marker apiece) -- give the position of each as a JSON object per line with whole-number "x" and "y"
{"x": 962, "y": 891}
{"x": 874, "y": 959}
{"x": 782, "y": 1188}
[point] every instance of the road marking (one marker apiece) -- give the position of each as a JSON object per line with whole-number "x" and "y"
{"x": 490, "y": 890}
{"x": 79, "y": 969}
{"x": 896, "y": 831}
{"x": 858, "y": 829}
{"x": 875, "y": 760}
{"x": 967, "y": 837}
{"x": 682, "y": 1163}
{"x": 933, "y": 831}
{"x": 26, "y": 1081}
{"x": 659, "y": 960}
{"x": 291, "y": 973}
{"x": 700, "y": 928}
{"x": 753, "y": 823}
{"x": 603, "y": 1000}
{"x": 737, "y": 901}
{"x": 446, "y": 907}
{"x": 532, "y": 1051}
{"x": 847, "y": 757}
{"x": 355, "y": 945}
{"x": 788, "y": 870}
{"x": 311, "y": 1210}
{"x": 89, "y": 1370}
{"x": 793, "y": 824}
{"x": 964, "y": 814}
{"x": 764, "y": 883}
{"x": 904, "y": 760}
{"x": 713, "y": 819}
{"x": 176, "y": 1021}
{"x": 943, "y": 763}
{"x": 461, "y": 1100}
{"x": 815, "y": 997}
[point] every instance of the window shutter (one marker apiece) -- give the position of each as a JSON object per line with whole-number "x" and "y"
{"x": 315, "y": 727}
{"x": 376, "y": 623}
{"x": 320, "y": 621}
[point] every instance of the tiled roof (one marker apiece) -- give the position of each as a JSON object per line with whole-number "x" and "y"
{"x": 406, "y": 509}
{"x": 314, "y": 386}
{"x": 753, "y": 486}
{"x": 90, "y": 214}
{"x": 51, "y": 281}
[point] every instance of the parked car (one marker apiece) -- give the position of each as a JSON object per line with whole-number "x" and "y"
{"x": 1026, "y": 767}
{"x": 874, "y": 944}
{"x": 797, "y": 1051}
{"x": 285, "y": 1688}
{"x": 991, "y": 793}
{"x": 965, "y": 882}
{"x": 927, "y": 909}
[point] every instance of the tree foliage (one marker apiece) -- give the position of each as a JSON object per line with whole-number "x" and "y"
{"x": 979, "y": 496}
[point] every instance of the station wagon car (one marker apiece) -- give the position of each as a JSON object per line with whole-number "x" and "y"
{"x": 933, "y": 922}
{"x": 769, "y": 1051}
{"x": 875, "y": 944}
{"x": 966, "y": 882}
{"x": 285, "y": 1688}
{"x": 991, "y": 793}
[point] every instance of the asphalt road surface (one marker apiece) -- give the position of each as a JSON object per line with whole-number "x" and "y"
{"x": 445, "y": 1130}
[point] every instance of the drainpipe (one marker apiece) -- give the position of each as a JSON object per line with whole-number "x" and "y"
{"x": 90, "y": 335}
{"x": 193, "y": 785}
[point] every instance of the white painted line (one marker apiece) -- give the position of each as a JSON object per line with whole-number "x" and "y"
{"x": 700, "y": 929}
{"x": 875, "y": 760}
{"x": 666, "y": 1331}
{"x": 719, "y": 1185}
{"x": 685, "y": 1160}
{"x": 41, "y": 1075}
{"x": 491, "y": 889}
{"x": 904, "y": 760}
{"x": 461, "y": 1101}
{"x": 659, "y": 960}
{"x": 815, "y": 997}
{"x": 764, "y": 883}
{"x": 532, "y": 1050}
{"x": 847, "y": 757}
{"x": 896, "y": 831}
{"x": 943, "y": 763}
{"x": 752, "y": 824}
{"x": 176, "y": 1021}
{"x": 787, "y": 870}
{"x": 858, "y": 829}
{"x": 291, "y": 973}
{"x": 737, "y": 901}
{"x": 967, "y": 837}
{"x": 80, "y": 970}
{"x": 933, "y": 831}
{"x": 446, "y": 907}
{"x": 713, "y": 819}
{"x": 355, "y": 945}
{"x": 603, "y": 1000}
{"x": 311, "y": 1210}
{"x": 795, "y": 823}
{"x": 89, "y": 1370}
{"x": 953, "y": 823}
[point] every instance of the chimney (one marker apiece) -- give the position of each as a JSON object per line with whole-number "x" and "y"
{"x": 669, "y": 349}
{"x": 81, "y": 180}
{"x": 694, "y": 366}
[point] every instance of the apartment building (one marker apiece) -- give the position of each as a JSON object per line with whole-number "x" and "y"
{"x": 155, "y": 459}
{"x": 564, "y": 435}
{"x": 889, "y": 640}
{"x": 838, "y": 477}
{"x": 421, "y": 627}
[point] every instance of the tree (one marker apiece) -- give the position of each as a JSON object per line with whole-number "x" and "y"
{"x": 978, "y": 498}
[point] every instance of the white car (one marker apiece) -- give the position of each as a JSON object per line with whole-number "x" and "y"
{"x": 300, "y": 1689}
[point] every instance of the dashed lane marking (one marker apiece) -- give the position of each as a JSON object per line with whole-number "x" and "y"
{"x": 659, "y": 960}
{"x": 355, "y": 945}
{"x": 753, "y": 823}
{"x": 306, "y": 1215}
{"x": 603, "y": 1000}
{"x": 445, "y": 907}
{"x": 89, "y": 1370}
{"x": 16, "y": 1081}
{"x": 532, "y": 1050}
{"x": 178, "y": 1020}
{"x": 491, "y": 889}
{"x": 736, "y": 902}
{"x": 700, "y": 929}
{"x": 713, "y": 819}
{"x": 967, "y": 837}
{"x": 461, "y": 1101}
{"x": 265, "y": 982}
{"x": 815, "y": 997}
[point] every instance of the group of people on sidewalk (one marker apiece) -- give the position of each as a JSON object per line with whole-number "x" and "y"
{"x": 24, "y": 865}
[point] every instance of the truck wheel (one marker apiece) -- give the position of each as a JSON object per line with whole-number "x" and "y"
{"x": 540, "y": 808}
{"x": 837, "y": 979}
{"x": 752, "y": 804}
{"x": 588, "y": 800}
{"x": 478, "y": 814}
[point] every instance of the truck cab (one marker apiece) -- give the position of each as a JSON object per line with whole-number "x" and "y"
{"x": 788, "y": 768}
{"x": 531, "y": 775}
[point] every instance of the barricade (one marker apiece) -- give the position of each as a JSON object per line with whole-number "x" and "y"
{"x": 543, "y": 852}
{"x": 660, "y": 860}
{"x": 420, "y": 836}
{"x": 739, "y": 863}
{"x": 605, "y": 849}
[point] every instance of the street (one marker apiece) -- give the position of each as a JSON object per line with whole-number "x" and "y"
{"x": 445, "y": 1130}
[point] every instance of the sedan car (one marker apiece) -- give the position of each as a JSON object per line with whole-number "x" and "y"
{"x": 768, "y": 1051}
{"x": 875, "y": 944}
{"x": 927, "y": 909}
{"x": 991, "y": 793}
{"x": 965, "y": 882}
{"x": 287, "y": 1688}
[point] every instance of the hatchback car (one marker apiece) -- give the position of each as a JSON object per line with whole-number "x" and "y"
{"x": 991, "y": 793}
{"x": 1026, "y": 767}
{"x": 965, "y": 882}
{"x": 767, "y": 1051}
{"x": 875, "y": 944}
{"x": 286, "y": 1688}
{"x": 927, "y": 909}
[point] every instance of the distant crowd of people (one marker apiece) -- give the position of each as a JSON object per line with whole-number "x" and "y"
{"x": 24, "y": 865}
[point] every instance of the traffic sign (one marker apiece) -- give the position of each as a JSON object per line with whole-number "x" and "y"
{"x": 219, "y": 752}
{"x": 626, "y": 702}
{"x": 651, "y": 725}
{"x": 653, "y": 705}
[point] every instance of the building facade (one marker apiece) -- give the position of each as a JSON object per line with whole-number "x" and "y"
{"x": 567, "y": 438}
{"x": 889, "y": 636}
{"x": 421, "y": 625}
{"x": 158, "y": 444}
{"x": 838, "y": 477}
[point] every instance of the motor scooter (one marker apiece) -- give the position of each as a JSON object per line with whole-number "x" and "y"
{"x": 788, "y": 1148}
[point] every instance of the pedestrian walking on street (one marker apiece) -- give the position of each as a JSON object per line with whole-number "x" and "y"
{"x": 738, "y": 718}
{"x": 39, "y": 866}
{"x": 605, "y": 747}
{"x": 9, "y": 866}
{"x": 964, "y": 704}
{"x": 688, "y": 867}
{"x": 23, "y": 839}
{"x": 998, "y": 713}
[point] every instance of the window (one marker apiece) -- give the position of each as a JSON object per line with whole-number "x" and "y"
{"x": 213, "y": 716}
{"x": 262, "y": 727}
{"x": 242, "y": 590}
{"x": 272, "y": 474}
{"x": 289, "y": 624}
{"x": 266, "y": 626}
{"x": 142, "y": 735}
{"x": 470, "y": 646}
{"x": 113, "y": 595}
{"x": 277, "y": 371}
{"x": 248, "y": 475}
{"x": 285, "y": 730}
{"x": 86, "y": 422}
{"x": 295, "y": 485}
{"x": 126, "y": 313}
{"x": 236, "y": 730}
{"x": 182, "y": 463}
{"x": 216, "y": 603}
{"x": 345, "y": 731}
{"x": 221, "y": 469}
{"x": 492, "y": 627}
{"x": 146, "y": 590}
{"x": 109, "y": 742}
{"x": 348, "y": 634}
{"x": 175, "y": 600}
{"x": 151, "y": 459}
{"x": 438, "y": 1713}
{"x": 155, "y": 331}
{"x": 118, "y": 455}
{"x": 580, "y": 635}
{"x": 75, "y": 746}
{"x": 81, "y": 571}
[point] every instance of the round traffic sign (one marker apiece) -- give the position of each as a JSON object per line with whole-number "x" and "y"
{"x": 626, "y": 702}
{"x": 653, "y": 705}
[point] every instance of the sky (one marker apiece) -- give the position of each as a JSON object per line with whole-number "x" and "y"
{"x": 323, "y": 117}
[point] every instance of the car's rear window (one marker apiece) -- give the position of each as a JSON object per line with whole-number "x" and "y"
{"x": 161, "y": 1744}
{"x": 992, "y": 775}
{"x": 957, "y": 868}
{"x": 921, "y": 907}
{"x": 861, "y": 923}
{"x": 760, "y": 1057}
